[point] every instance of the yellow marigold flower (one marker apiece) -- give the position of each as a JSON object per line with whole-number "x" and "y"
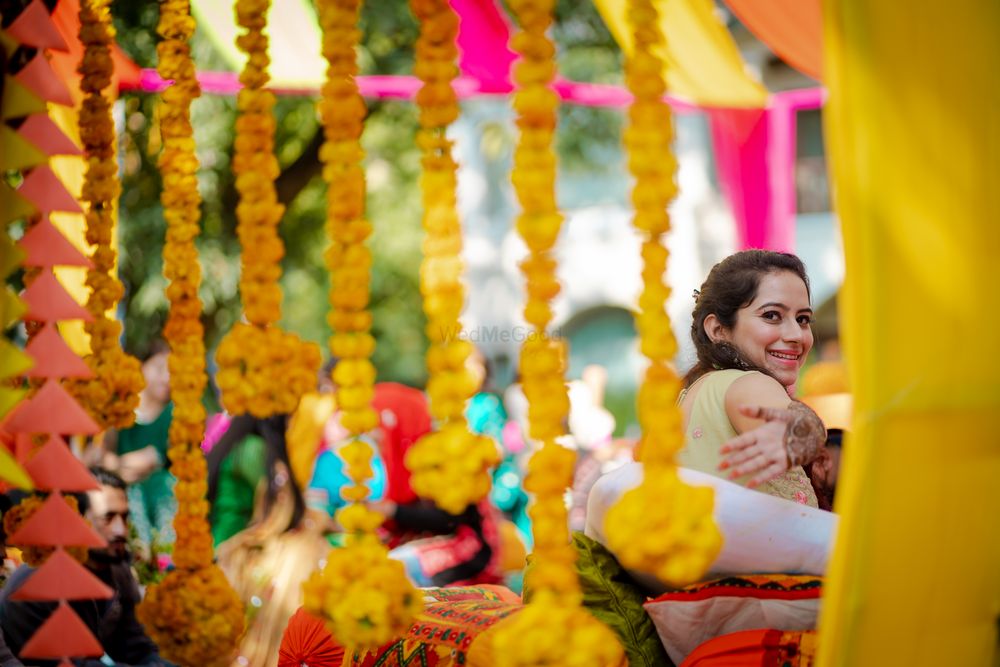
{"x": 549, "y": 633}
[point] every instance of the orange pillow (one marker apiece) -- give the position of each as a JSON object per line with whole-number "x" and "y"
{"x": 756, "y": 648}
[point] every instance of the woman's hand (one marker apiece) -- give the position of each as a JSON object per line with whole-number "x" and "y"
{"x": 788, "y": 437}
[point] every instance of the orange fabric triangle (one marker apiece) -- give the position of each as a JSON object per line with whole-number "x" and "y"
{"x": 62, "y": 634}
{"x": 52, "y": 410}
{"x": 48, "y": 301}
{"x": 55, "y": 468}
{"x": 34, "y": 27}
{"x": 18, "y": 152}
{"x": 56, "y": 524}
{"x": 39, "y": 77}
{"x": 53, "y": 357}
{"x": 47, "y": 193}
{"x": 41, "y": 131}
{"x": 45, "y": 245}
{"x": 13, "y": 206}
{"x": 62, "y": 577}
{"x": 18, "y": 100}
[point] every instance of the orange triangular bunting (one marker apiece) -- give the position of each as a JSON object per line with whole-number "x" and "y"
{"x": 34, "y": 27}
{"x": 18, "y": 152}
{"x": 55, "y": 524}
{"x": 45, "y": 245}
{"x": 18, "y": 101}
{"x": 52, "y": 410}
{"x": 47, "y": 193}
{"x": 53, "y": 358}
{"x": 55, "y": 468}
{"x": 42, "y": 132}
{"x": 61, "y": 577}
{"x": 13, "y": 206}
{"x": 39, "y": 77}
{"x": 48, "y": 301}
{"x": 62, "y": 634}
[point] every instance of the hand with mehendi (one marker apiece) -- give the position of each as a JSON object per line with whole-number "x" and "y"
{"x": 789, "y": 437}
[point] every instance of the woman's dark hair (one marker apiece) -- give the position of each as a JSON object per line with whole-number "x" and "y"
{"x": 731, "y": 285}
{"x": 272, "y": 431}
{"x": 155, "y": 347}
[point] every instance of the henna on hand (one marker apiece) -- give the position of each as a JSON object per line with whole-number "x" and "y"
{"x": 805, "y": 435}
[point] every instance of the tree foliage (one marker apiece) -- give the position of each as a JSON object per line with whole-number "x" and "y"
{"x": 587, "y": 53}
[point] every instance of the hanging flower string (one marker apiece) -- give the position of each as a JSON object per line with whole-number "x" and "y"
{"x": 554, "y": 628}
{"x": 262, "y": 369}
{"x": 112, "y": 395}
{"x": 364, "y": 597}
{"x": 193, "y": 614}
{"x": 664, "y": 526}
{"x": 450, "y": 465}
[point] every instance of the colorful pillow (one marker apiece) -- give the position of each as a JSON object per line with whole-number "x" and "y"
{"x": 442, "y": 635}
{"x": 757, "y": 648}
{"x": 688, "y": 618}
{"x": 614, "y": 599}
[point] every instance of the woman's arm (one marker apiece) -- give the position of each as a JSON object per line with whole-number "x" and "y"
{"x": 776, "y": 433}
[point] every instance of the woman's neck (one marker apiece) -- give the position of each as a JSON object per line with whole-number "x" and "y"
{"x": 149, "y": 408}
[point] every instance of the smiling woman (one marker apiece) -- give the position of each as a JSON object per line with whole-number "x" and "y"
{"x": 752, "y": 332}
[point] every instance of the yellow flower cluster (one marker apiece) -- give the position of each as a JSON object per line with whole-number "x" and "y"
{"x": 364, "y": 597}
{"x": 20, "y": 514}
{"x": 265, "y": 371}
{"x": 111, "y": 396}
{"x": 664, "y": 526}
{"x": 450, "y": 465}
{"x": 188, "y": 612}
{"x": 193, "y": 615}
{"x": 554, "y": 628}
{"x": 262, "y": 369}
{"x": 548, "y": 632}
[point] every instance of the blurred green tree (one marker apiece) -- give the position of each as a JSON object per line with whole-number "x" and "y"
{"x": 586, "y": 52}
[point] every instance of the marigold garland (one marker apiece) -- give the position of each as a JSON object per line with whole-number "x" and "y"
{"x": 554, "y": 628}
{"x": 262, "y": 369}
{"x": 664, "y": 526}
{"x": 364, "y": 597}
{"x": 194, "y": 615}
{"x": 450, "y": 465}
{"x": 112, "y": 395}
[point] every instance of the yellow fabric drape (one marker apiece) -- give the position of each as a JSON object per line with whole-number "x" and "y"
{"x": 701, "y": 61}
{"x": 914, "y": 137}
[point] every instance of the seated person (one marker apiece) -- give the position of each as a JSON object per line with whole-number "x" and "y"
{"x": 752, "y": 332}
{"x": 760, "y": 533}
{"x": 835, "y": 411}
{"x": 244, "y": 459}
{"x": 113, "y": 621}
{"x": 437, "y": 548}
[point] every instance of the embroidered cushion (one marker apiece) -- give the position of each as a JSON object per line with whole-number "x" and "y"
{"x": 688, "y": 618}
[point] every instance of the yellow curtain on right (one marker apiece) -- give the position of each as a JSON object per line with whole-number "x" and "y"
{"x": 913, "y": 131}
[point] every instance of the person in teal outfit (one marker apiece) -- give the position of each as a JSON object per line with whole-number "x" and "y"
{"x": 139, "y": 454}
